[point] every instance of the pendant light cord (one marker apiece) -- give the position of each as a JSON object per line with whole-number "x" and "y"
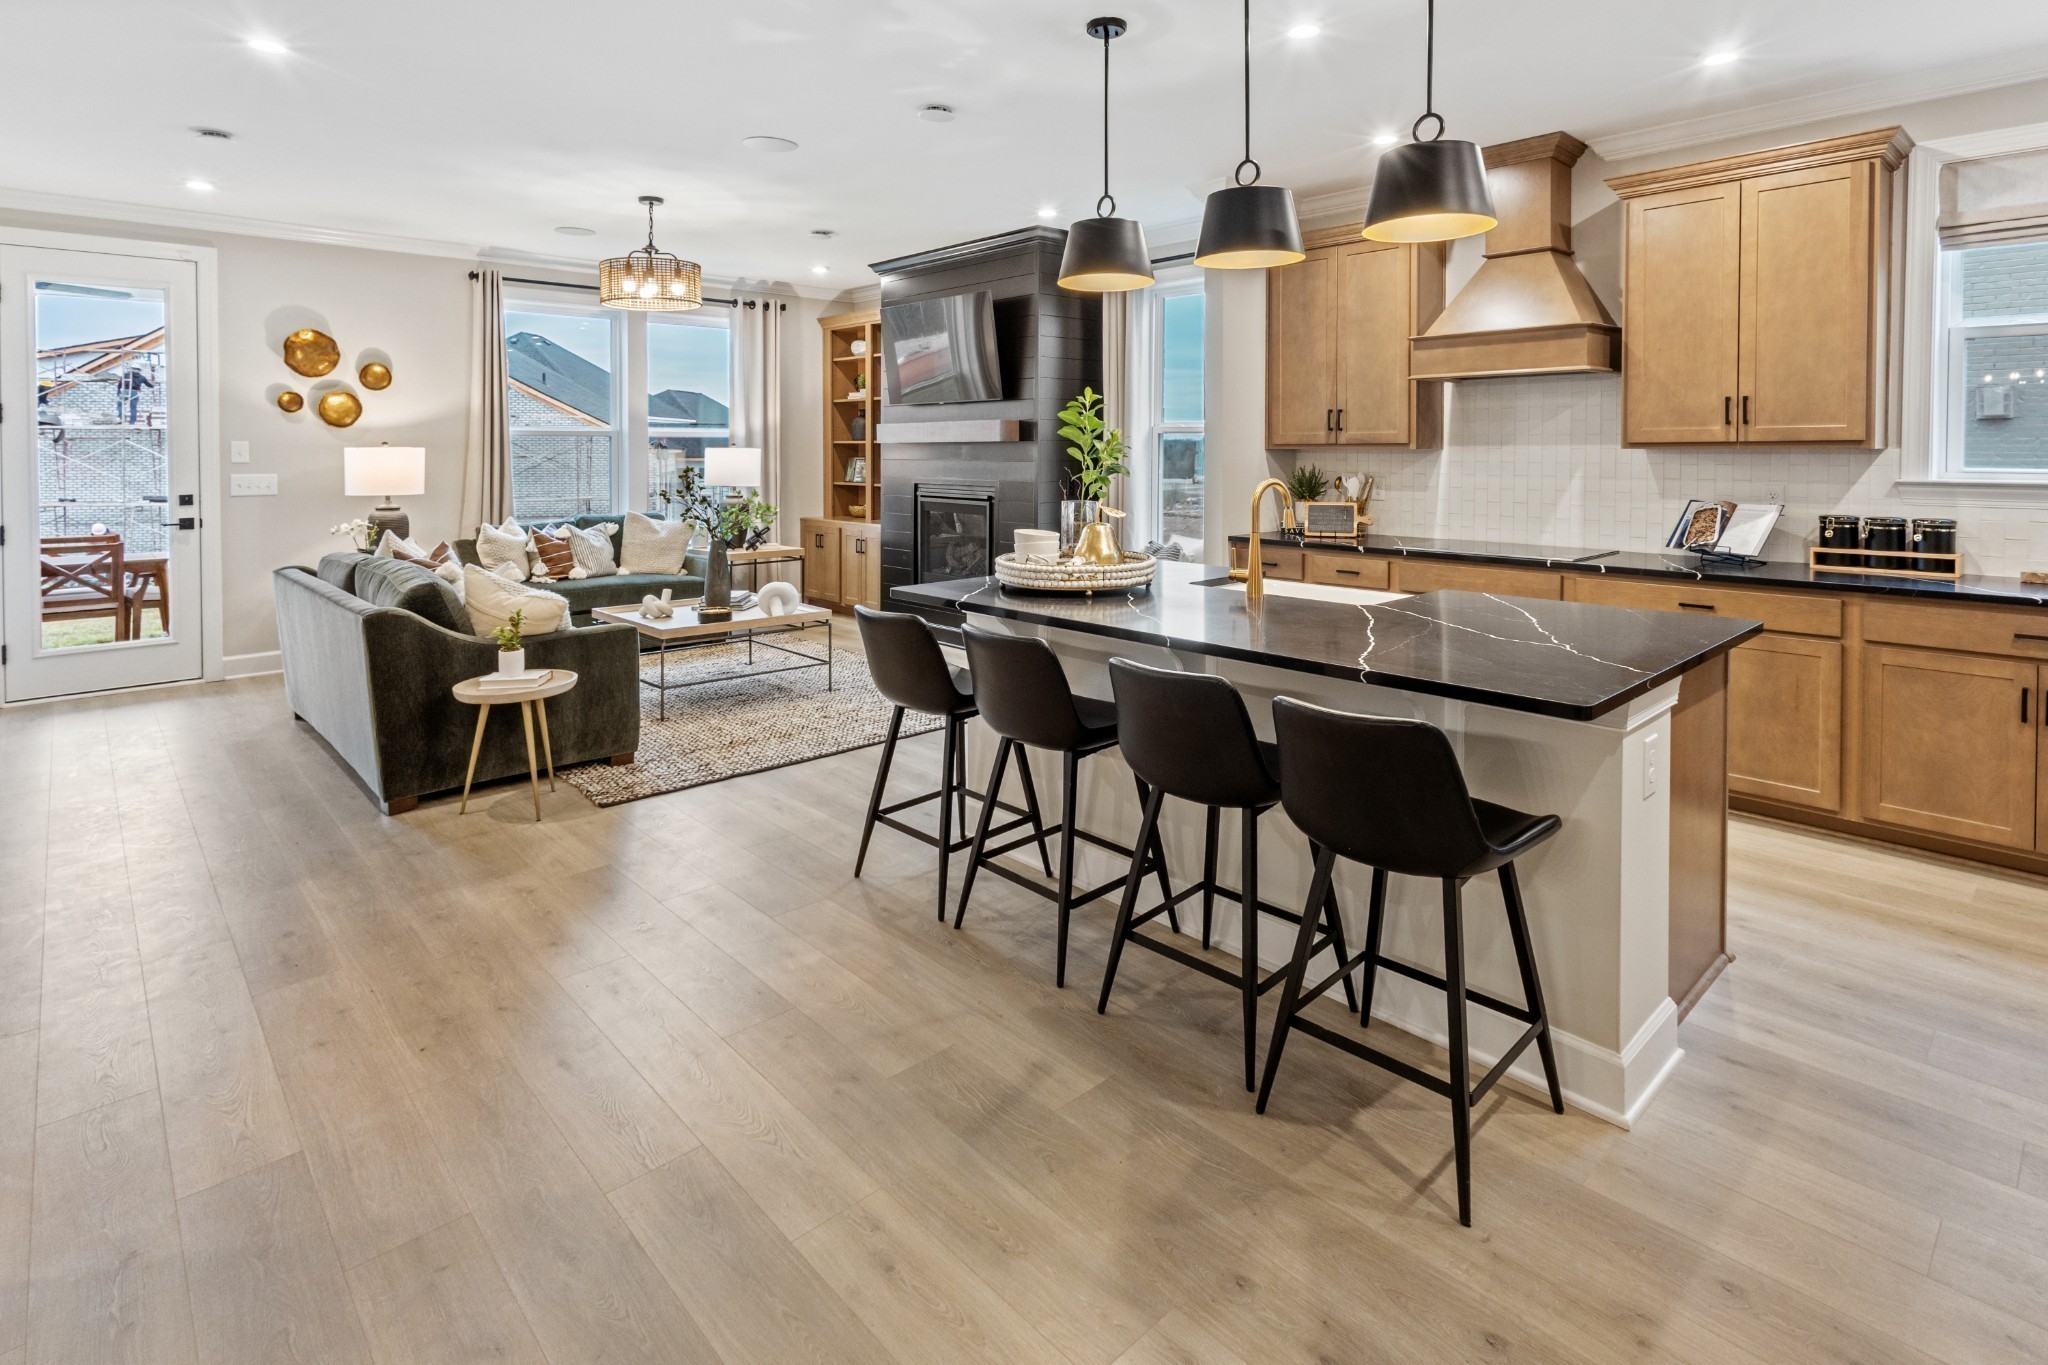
{"x": 1429, "y": 82}
{"x": 1107, "y": 197}
{"x": 1238, "y": 175}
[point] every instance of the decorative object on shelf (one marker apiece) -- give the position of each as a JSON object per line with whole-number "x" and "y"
{"x": 1246, "y": 225}
{"x": 857, "y": 426}
{"x": 857, "y": 466}
{"x": 778, "y": 598}
{"x": 385, "y": 471}
{"x": 1308, "y": 483}
{"x": 1105, "y": 254}
{"x": 1839, "y": 532}
{"x": 731, "y": 523}
{"x": 291, "y": 400}
{"x": 1097, "y": 545}
{"x": 1098, "y": 449}
{"x": 859, "y": 346}
{"x": 1895, "y": 563}
{"x": 511, "y": 649}
{"x": 1935, "y": 538}
{"x": 362, "y": 533}
{"x": 1072, "y": 576}
{"x": 658, "y": 608}
{"x": 340, "y": 408}
{"x": 311, "y": 353}
{"x": 375, "y": 375}
{"x": 649, "y": 279}
{"x": 1434, "y": 190}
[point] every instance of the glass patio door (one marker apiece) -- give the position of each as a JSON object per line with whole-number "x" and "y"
{"x": 99, "y": 472}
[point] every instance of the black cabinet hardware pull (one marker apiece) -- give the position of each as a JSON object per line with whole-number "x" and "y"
{"x": 1348, "y": 573}
{"x": 1340, "y": 419}
{"x": 1745, "y": 409}
{"x": 2024, "y": 691}
{"x": 1727, "y": 410}
{"x": 1697, "y": 606}
{"x": 2035, "y": 639}
{"x": 1329, "y": 419}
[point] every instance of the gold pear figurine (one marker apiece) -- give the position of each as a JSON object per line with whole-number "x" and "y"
{"x": 1098, "y": 545}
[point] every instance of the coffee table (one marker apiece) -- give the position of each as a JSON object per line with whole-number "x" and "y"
{"x": 685, "y": 631}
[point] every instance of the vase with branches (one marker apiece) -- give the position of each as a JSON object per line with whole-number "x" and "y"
{"x": 729, "y": 523}
{"x": 1097, "y": 450}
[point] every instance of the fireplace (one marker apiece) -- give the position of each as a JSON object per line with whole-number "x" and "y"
{"x": 955, "y": 531}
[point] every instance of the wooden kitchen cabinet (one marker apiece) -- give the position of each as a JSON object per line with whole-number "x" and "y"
{"x": 1275, "y": 561}
{"x": 1446, "y": 575}
{"x": 1338, "y": 325}
{"x": 860, "y": 565}
{"x": 1754, "y": 296}
{"x": 822, "y": 560}
{"x": 1346, "y": 571}
{"x": 1949, "y": 744}
{"x": 1785, "y": 720}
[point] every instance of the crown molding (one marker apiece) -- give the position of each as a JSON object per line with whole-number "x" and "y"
{"x": 1883, "y": 93}
{"x": 1344, "y": 204}
{"x": 199, "y": 220}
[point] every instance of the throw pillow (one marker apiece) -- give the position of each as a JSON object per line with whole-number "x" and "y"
{"x": 395, "y": 546}
{"x": 491, "y": 600}
{"x": 592, "y": 546}
{"x": 654, "y": 546}
{"x": 502, "y": 549}
{"x": 553, "y": 560}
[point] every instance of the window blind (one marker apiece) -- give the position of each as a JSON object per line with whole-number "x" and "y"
{"x": 1994, "y": 199}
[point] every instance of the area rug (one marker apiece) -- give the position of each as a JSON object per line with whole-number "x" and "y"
{"x": 743, "y": 725}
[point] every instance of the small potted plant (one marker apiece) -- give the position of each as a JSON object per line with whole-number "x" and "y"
{"x": 1307, "y": 484}
{"x": 511, "y": 648}
{"x": 1099, "y": 450}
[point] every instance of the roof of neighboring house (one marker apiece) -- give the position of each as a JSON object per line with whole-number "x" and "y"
{"x": 105, "y": 356}
{"x": 686, "y": 408}
{"x": 563, "y": 380}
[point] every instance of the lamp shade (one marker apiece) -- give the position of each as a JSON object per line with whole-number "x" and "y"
{"x": 1429, "y": 192}
{"x": 732, "y": 467}
{"x": 383, "y": 471}
{"x": 1249, "y": 227}
{"x": 1106, "y": 255}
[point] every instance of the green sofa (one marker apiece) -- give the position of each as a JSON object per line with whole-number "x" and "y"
{"x": 617, "y": 590}
{"x": 373, "y": 648}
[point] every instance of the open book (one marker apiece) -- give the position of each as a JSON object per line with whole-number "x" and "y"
{"x": 1725, "y": 528}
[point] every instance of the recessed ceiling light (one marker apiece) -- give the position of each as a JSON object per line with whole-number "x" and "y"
{"x": 1048, "y": 212}
{"x": 1304, "y": 30}
{"x": 936, "y": 113}
{"x": 760, "y": 143}
{"x": 820, "y": 270}
{"x": 1721, "y": 58}
{"x": 577, "y": 231}
{"x": 215, "y": 134}
{"x": 822, "y": 232}
{"x": 1385, "y": 139}
{"x": 199, "y": 186}
{"x": 269, "y": 47}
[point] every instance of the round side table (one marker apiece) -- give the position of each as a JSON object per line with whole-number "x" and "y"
{"x": 532, "y": 702}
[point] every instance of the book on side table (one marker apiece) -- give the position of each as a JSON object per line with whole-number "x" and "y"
{"x": 523, "y": 681}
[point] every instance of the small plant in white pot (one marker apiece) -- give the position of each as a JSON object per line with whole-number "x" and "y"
{"x": 511, "y": 648}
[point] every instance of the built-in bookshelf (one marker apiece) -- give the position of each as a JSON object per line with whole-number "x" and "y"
{"x": 853, "y": 405}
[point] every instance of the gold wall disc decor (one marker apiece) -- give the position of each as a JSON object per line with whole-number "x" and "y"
{"x": 311, "y": 353}
{"x": 375, "y": 375}
{"x": 340, "y": 408}
{"x": 291, "y": 400}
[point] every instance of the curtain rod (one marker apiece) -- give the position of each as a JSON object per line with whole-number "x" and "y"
{"x": 592, "y": 289}
{"x": 1173, "y": 260}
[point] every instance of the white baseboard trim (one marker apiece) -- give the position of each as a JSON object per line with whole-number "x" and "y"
{"x": 252, "y": 665}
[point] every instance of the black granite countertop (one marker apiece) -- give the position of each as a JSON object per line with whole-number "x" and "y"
{"x": 1573, "y": 660}
{"x": 2005, "y": 592}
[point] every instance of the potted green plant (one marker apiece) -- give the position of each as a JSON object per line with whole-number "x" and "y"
{"x": 511, "y": 648}
{"x": 1098, "y": 449}
{"x": 1307, "y": 484}
{"x": 730, "y": 524}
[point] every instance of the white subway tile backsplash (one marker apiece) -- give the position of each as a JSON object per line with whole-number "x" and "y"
{"x": 1540, "y": 461}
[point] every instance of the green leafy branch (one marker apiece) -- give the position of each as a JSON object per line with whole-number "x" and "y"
{"x": 1095, "y": 445}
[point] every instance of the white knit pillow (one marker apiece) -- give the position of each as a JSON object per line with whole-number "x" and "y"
{"x": 654, "y": 546}
{"x": 592, "y": 546}
{"x": 491, "y": 600}
{"x": 502, "y": 550}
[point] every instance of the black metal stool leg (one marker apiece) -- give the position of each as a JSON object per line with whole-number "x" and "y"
{"x": 1129, "y": 904}
{"x": 946, "y": 765}
{"x": 1068, "y": 824}
{"x": 960, "y": 776}
{"x": 1461, "y": 1060}
{"x": 1248, "y": 944}
{"x": 867, "y": 830}
{"x": 1208, "y": 871}
{"x": 1333, "y": 920}
{"x": 1157, "y": 849}
{"x": 1290, "y": 996}
{"x": 1031, "y": 807}
{"x": 988, "y": 810}
{"x": 1375, "y": 922}
{"x": 1532, "y": 987}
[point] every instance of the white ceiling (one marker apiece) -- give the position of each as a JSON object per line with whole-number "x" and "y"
{"x": 489, "y": 125}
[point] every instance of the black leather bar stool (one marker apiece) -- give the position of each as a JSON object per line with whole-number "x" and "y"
{"x": 909, "y": 671}
{"x": 1023, "y": 695}
{"x": 1188, "y": 735}
{"x": 1390, "y": 794}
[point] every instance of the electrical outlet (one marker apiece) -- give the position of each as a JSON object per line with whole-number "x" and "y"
{"x": 238, "y": 452}
{"x": 1653, "y": 764}
{"x": 1774, "y": 495}
{"x": 252, "y": 486}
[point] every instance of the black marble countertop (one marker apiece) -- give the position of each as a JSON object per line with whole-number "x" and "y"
{"x": 2005, "y": 592}
{"x": 1573, "y": 660}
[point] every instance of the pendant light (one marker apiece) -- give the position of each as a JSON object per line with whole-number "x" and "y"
{"x": 1249, "y": 226}
{"x": 1432, "y": 191}
{"x": 649, "y": 279}
{"x": 1106, "y": 254}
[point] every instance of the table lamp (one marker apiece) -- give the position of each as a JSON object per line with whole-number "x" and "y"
{"x": 387, "y": 472}
{"x": 732, "y": 467}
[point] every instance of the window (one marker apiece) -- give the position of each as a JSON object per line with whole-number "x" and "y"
{"x": 561, "y": 391}
{"x": 1166, "y": 443}
{"x": 1996, "y": 299}
{"x": 689, "y": 393}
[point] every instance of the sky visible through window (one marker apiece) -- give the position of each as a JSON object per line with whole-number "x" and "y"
{"x": 67, "y": 319}
{"x": 1180, "y": 398}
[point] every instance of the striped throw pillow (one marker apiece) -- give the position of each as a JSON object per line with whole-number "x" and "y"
{"x": 554, "y": 558}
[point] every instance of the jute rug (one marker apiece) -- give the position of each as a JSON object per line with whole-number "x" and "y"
{"x": 744, "y": 725}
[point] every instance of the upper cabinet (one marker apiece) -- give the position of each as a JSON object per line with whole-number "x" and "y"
{"x": 1754, "y": 301}
{"x": 1337, "y": 331}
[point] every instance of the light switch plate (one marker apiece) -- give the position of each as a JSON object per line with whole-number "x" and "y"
{"x": 238, "y": 452}
{"x": 253, "y": 486}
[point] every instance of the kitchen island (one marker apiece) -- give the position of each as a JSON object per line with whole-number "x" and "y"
{"x": 1611, "y": 717}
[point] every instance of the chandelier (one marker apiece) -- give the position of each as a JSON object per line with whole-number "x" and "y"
{"x": 648, "y": 278}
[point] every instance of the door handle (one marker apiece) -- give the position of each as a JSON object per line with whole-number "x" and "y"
{"x": 1745, "y": 409}
{"x": 1340, "y": 419}
{"x": 1329, "y": 419}
{"x": 1727, "y": 410}
{"x": 182, "y": 524}
{"x": 1697, "y": 606}
{"x": 1347, "y": 573}
{"x": 2025, "y": 692}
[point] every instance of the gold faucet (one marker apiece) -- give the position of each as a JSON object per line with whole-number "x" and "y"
{"x": 1250, "y": 575}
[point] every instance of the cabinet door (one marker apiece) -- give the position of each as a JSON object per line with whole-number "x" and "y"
{"x": 1374, "y": 396}
{"x": 1949, "y": 744}
{"x": 859, "y": 566}
{"x": 1679, "y": 301}
{"x": 821, "y": 561}
{"x": 1785, "y": 720}
{"x": 1301, "y": 352}
{"x": 1443, "y": 575}
{"x": 1808, "y": 301}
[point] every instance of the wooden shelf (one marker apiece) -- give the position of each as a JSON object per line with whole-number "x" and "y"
{"x": 843, "y": 495}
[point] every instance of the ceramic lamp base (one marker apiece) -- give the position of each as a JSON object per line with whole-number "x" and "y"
{"x": 392, "y": 519}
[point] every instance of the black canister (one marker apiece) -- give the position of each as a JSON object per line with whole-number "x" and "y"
{"x": 1838, "y": 532}
{"x": 1884, "y": 533}
{"x": 1934, "y": 535}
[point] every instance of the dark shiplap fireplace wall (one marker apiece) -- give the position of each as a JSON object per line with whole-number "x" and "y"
{"x": 1051, "y": 345}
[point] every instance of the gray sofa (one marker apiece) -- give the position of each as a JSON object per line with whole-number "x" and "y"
{"x": 617, "y": 590}
{"x": 372, "y": 648}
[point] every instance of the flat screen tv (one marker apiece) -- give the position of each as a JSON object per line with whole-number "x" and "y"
{"x": 942, "y": 350}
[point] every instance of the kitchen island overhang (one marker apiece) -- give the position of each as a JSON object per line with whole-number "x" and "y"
{"x": 1613, "y": 718}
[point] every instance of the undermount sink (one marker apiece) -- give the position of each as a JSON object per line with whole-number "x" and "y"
{"x": 1320, "y": 592}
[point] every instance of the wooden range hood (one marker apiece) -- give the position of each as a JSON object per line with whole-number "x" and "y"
{"x": 1527, "y": 310}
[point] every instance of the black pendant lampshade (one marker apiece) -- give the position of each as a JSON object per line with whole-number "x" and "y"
{"x": 1430, "y": 190}
{"x": 1105, "y": 254}
{"x": 1249, "y": 226}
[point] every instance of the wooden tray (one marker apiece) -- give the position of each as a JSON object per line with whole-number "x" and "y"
{"x": 1950, "y": 574}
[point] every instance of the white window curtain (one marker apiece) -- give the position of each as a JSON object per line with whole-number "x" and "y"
{"x": 487, "y": 457}
{"x": 1994, "y": 199}
{"x": 1116, "y": 383}
{"x": 757, "y": 390}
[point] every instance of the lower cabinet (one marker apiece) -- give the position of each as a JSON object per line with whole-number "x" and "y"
{"x": 1950, "y": 744}
{"x": 821, "y": 561}
{"x": 1785, "y": 720}
{"x": 1444, "y": 575}
{"x": 842, "y": 562}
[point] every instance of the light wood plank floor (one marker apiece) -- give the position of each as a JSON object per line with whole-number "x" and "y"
{"x": 281, "y": 1079}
